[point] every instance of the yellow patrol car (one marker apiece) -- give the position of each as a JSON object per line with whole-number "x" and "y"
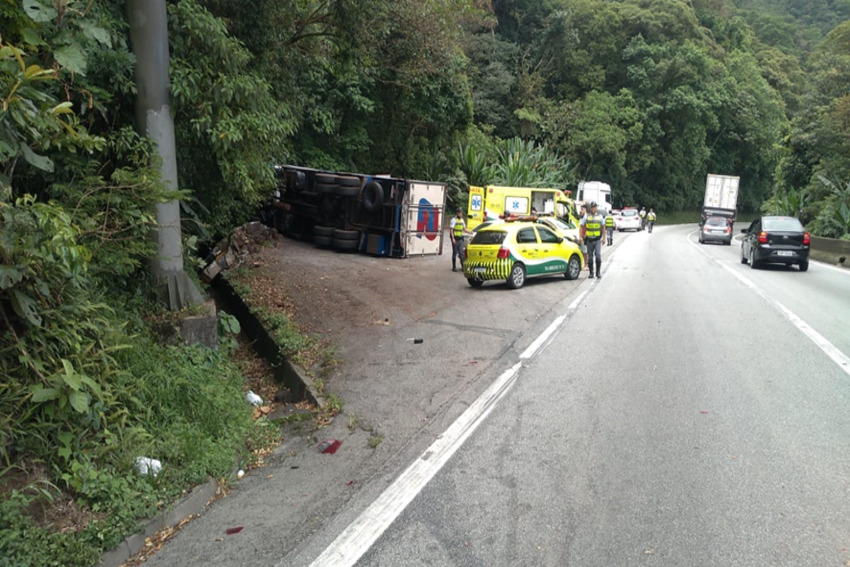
{"x": 515, "y": 250}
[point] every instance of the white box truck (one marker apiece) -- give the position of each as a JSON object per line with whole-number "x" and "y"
{"x": 595, "y": 191}
{"x": 721, "y": 196}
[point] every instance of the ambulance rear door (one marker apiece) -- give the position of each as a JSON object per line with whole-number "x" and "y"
{"x": 475, "y": 213}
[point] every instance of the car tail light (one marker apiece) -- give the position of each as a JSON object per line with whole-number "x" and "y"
{"x": 762, "y": 237}
{"x": 728, "y": 230}
{"x": 503, "y": 254}
{"x": 806, "y": 238}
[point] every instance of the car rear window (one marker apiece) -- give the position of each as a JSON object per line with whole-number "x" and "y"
{"x": 629, "y": 213}
{"x": 486, "y": 237}
{"x": 785, "y": 224}
{"x": 716, "y": 221}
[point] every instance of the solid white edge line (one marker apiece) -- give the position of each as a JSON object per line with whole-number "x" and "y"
{"x": 544, "y": 336}
{"x": 577, "y": 300}
{"x": 362, "y": 533}
{"x": 841, "y": 359}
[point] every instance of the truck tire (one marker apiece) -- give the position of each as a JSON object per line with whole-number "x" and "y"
{"x": 346, "y": 190}
{"x": 325, "y": 188}
{"x": 373, "y": 196}
{"x": 322, "y": 241}
{"x": 323, "y": 231}
{"x": 340, "y": 234}
{"x": 347, "y": 181}
{"x": 325, "y": 179}
{"x": 346, "y": 244}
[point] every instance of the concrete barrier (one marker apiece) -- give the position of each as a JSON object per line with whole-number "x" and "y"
{"x": 830, "y": 251}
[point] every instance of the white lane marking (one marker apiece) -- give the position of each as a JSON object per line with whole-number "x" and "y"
{"x": 364, "y": 531}
{"x": 538, "y": 342}
{"x": 841, "y": 359}
{"x": 577, "y": 300}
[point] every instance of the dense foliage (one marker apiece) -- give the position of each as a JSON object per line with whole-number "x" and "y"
{"x": 648, "y": 95}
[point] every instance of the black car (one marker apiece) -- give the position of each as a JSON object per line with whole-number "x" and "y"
{"x": 775, "y": 240}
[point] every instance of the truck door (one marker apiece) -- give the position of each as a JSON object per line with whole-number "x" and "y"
{"x": 422, "y": 218}
{"x": 475, "y": 210}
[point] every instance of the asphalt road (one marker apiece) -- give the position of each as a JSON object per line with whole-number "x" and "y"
{"x": 686, "y": 410}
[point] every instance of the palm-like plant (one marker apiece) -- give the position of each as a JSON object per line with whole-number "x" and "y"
{"x": 525, "y": 164}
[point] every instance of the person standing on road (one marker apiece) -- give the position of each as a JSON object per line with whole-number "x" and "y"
{"x": 609, "y": 228}
{"x": 642, "y": 218}
{"x": 582, "y": 246}
{"x": 457, "y": 228}
{"x": 650, "y": 218}
{"x": 593, "y": 223}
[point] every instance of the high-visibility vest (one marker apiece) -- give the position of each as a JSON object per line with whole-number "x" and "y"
{"x": 642, "y": 213}
{"x": 458, "y": 229}
{"x": 609, "y": 221}
{"x": 651, "y": 216}
{"x": 593, "y": 226}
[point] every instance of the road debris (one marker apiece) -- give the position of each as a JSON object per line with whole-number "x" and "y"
{"x": 329, "y": 446}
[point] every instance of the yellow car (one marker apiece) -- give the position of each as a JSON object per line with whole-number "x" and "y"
{"x": 514, "y": 251}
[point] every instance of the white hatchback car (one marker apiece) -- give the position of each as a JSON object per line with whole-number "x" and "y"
{"x": 628, "y": 219}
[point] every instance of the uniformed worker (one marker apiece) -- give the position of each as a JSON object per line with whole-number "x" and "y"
{"x": 593, "y": 223}
{"x": 609, "y": 228}
{"x": 457, "y": 228}
{"x": 642, "y": 214}
{"x": 582, "y": 246}
{"x": 650, "y": 218}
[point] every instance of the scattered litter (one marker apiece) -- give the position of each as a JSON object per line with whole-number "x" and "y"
{"x": 329, "y": 446}
{"x": 253, "y": 398}
{"x": 703, "y": 412}
{"x": 269, "y": 476}
{"x": 231, "y": 531}
{"x": 146, "y": 466}
{"x": 294, "y": 467}
{"x": 473, "y": 362}
{"x": 349, "y": 483}
{"x": 240, "y": 473}
{"x": 416, "y": 341}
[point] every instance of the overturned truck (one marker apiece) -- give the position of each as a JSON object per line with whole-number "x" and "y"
{"x": 374, "y": 214}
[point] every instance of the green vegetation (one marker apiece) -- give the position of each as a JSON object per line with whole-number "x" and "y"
{"x": 648, "y": 96}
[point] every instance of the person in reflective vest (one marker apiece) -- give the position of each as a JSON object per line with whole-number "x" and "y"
{"x": 609, "y": 228}
{"x": 650, "y": 219}
{"x": 642, "y": 214}
{"x": 457, "y": 228}
{"x": 593, "y": 223}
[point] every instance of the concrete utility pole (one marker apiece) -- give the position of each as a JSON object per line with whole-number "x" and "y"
{"x": 149, "y": 40}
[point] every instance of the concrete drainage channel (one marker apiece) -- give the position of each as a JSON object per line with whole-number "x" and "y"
{"x": 286, "y": 373}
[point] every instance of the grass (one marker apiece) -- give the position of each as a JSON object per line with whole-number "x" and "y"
{"x": 183, "y": 406}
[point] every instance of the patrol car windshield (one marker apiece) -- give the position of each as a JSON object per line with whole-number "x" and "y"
{"x": 488, "y": 237}
{"x": 629, "y": 213}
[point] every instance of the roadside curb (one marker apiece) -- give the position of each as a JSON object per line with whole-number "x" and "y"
{"x": 193, "y": 503}
{"x": 286, "y": 372}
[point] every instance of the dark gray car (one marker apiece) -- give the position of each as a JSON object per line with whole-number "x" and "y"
{"x": 775, "y": 240}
